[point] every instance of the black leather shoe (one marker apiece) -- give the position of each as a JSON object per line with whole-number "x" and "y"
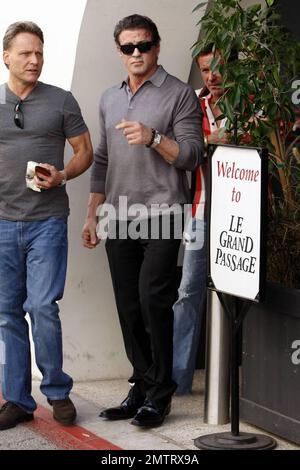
{"x": 128, "y": 407}
{"x": 149, "y": 415}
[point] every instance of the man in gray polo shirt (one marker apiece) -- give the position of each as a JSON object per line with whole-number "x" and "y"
{"x": 35, "y": 121}
{"x": 150, "y": 134}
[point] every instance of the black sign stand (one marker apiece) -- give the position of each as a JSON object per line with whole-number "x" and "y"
{"x": 236, "y": 308}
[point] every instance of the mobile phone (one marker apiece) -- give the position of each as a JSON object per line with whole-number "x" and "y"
{"x": 42, "y": 171}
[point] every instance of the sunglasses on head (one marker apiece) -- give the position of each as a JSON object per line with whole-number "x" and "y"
{"x": 142, "y": 47}
{"x": 18, "y": 116}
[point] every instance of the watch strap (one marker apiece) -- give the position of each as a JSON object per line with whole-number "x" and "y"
{"x": 152, "y": 138}
{"x": 64, "y": 175}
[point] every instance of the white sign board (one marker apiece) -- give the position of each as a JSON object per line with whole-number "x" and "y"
{"x": 235, "y": 226}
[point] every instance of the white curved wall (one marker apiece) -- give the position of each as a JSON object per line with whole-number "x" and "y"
{"x": 60, "y": 21}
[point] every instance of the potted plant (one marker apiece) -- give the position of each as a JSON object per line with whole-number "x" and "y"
{"x": 260, "y": 109}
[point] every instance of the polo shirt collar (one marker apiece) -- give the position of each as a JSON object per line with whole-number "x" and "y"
{"x": 156, "y": 79}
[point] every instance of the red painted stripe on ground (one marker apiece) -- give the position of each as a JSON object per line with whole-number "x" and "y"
{"x": 66, "y": 437}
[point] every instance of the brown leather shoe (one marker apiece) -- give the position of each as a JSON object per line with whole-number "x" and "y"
{"x": 64, "y": 411}
{"x": 11, "y": 415}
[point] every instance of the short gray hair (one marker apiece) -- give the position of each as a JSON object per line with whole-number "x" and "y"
{"x": 21, "y": 27}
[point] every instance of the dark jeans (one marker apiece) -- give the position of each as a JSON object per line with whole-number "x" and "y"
{"x": 143, "y": 273}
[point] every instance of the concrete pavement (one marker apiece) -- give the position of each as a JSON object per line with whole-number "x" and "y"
{"x": 184, "y": 424}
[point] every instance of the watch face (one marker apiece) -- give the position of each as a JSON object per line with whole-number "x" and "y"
{"x": 157, "y": 139}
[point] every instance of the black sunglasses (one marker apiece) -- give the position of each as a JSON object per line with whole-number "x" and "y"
{"x": 142, "y": 47}
{"x": 18, "y": 117}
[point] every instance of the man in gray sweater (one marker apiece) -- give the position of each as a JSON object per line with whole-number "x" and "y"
{"x": 150, "y": 134}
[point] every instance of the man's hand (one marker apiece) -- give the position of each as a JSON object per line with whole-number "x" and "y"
{"x": 46, "y": 182}
{"x": 135, "y": 132}
{"x": 89, "y": 235}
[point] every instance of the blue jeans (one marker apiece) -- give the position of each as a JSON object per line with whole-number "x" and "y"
{"x": 188, "y": 310}
{"x": 33, "y": 260}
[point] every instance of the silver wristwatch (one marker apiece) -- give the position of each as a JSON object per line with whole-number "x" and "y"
{"x": 64, "y": 180}
{"x": 156, "y": 140}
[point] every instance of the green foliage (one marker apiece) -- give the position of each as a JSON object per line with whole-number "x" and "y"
{"x": 258, "y": 97}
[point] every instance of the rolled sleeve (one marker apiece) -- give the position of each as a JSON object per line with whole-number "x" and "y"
{"x": 187, "y": 128}
{"x": 98, "y": 177}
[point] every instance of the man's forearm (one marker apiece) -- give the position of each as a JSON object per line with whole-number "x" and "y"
{"x": 168, "y": 149}
{"x": 82, "y": 158}
{"x": 77, "y": 165}
{"x": 95, "y": 200}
